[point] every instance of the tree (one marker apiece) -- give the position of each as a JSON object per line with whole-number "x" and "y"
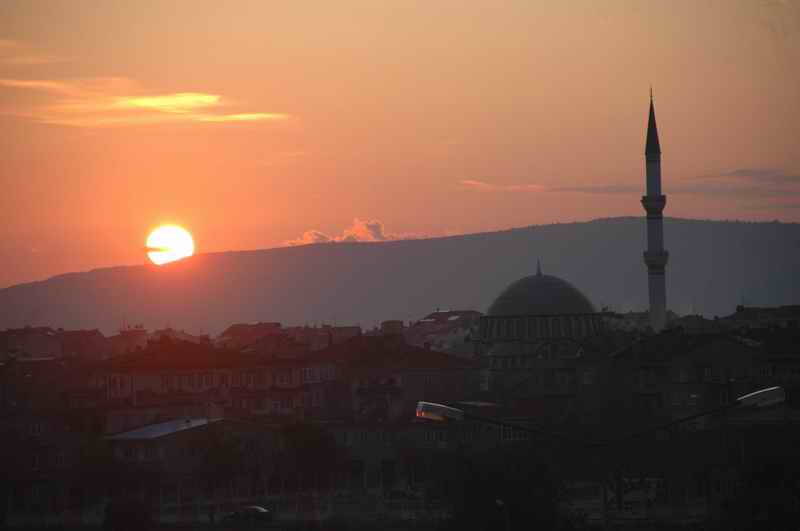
{"x": 311, "y": 452}
{"x": 499, "y": 488}
{"x": 223, "y": 460}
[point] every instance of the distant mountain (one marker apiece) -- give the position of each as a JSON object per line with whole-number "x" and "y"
{"x": 713, "y": 267}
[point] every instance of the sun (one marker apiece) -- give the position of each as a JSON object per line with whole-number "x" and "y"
{"x": 168, "y": 243}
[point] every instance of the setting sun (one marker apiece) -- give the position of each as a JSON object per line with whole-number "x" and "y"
{"x": 168, "y": 243}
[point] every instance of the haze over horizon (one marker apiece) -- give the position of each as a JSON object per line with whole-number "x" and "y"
{"x": 259, "y": 125}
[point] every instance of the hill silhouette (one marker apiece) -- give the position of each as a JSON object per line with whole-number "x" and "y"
{"x": 714, "y": 266}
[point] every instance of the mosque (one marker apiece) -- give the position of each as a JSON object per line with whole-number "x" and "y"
{"x": 543, "y": 318}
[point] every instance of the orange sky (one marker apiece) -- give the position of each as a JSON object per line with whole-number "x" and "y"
{"x": 254, "y": 123}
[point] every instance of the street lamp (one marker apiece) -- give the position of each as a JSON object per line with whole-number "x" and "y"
{"x": 763, "y": 397}
{"x": 438, "y": 412}
{"x": 769, "y": 396}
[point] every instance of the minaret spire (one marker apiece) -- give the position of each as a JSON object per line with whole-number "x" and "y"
{"x": 652, "y": 147}
{"x": 655, "y": 257}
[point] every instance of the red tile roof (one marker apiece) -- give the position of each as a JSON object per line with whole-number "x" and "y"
{"x": 169, "y": 354}
{"x": 388, "y": 352}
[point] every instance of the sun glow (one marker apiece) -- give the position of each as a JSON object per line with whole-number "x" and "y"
{"x": 168, "y": 243}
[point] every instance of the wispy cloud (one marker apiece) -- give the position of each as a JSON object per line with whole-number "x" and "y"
{"x": 360, "y": 231}
{"x": 483, "y": 186}
{"x": 757, "y": 175}
{"x": 113, "y": 101}
{"x": 18, "y": 53}
{"x": 779, "y": 206}
{"x": 740, "y": 182}
{"x": 599, "y": 189}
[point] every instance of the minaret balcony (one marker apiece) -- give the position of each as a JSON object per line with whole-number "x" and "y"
{"x": 656, "y": 260}
{"x": 654, "y": 204}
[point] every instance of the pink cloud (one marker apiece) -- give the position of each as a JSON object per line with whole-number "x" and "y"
{"x": 361, "y": 230}
{"x": 114, "y": 101}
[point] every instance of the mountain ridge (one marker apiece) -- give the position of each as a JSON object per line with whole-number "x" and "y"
{"x": 714, "y": 265}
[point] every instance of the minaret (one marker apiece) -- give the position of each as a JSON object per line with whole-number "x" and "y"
{"x": 655, "y": 257}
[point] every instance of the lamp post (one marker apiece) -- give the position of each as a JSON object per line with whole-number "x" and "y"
{"x": 506, "y": 514}
{"x": 761, "y": 398}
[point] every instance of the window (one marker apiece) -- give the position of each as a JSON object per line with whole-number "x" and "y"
{"x": 509, "y": 433}
{"x": 435, "y": 436}
{"x": 223, "y": 380}
{"x": 588, "y": 377}
{"x": 678, "y": 398}
{"x": 649, "y": 403}
{"x": 283, "y": 377}
{"x": 484, "y": 380}
{"x": 648, "y": 376}
{"x": 724, "y": 397}
{"x": 565, "y": 378}
{"x": 482, "y": 329}
{"x": 683, "y": 375}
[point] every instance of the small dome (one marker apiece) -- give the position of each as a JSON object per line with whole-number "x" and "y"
{"x": 541, "y": 295}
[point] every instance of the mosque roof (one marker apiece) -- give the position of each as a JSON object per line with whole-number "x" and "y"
{"x": 541, "y": 294}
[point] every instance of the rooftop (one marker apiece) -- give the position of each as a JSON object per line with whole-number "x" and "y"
{"x": 162, "y": 429}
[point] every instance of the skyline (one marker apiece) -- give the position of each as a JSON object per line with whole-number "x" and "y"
{"x": 378, "y": 122}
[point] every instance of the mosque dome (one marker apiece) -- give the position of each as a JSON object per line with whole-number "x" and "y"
{"x": 540, "y": 295}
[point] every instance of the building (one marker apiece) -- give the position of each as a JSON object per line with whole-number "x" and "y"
{"x": 752, "y": 317}
{"x": 534, "y": 331}
{"x": 129, "y": 339}
{"x": 30, "y": 342}
{"x": 450, "y": 331}
{"x": 381, "y": 378}
{"x": 83, "y": 344}
{"x": 241, "y": 335}
{"x": 320, "y": 337}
